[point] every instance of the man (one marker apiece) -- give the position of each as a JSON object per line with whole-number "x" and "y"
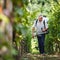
{"x": 40, "y": 32}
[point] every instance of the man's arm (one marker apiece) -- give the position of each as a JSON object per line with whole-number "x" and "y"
{"x": 33, "y": 29}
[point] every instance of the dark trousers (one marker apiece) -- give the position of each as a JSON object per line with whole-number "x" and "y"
{"x": 41, "y": 39}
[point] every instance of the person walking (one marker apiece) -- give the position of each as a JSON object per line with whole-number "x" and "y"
{"x": 40, "y": 26}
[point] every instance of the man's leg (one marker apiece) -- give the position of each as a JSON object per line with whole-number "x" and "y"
{"x": 41, "y": 40}
{"x": 42, "y": 43}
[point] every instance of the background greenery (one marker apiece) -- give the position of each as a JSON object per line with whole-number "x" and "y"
{"x": 25, "y": 12}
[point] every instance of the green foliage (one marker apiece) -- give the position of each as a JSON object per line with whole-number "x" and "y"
{"x": 54, "y": 25}
{"x": 26, "y": 11}
{"x": 28, "y": 41}
{"x": 7, "y": 51}
{"x": 24, "y": 17}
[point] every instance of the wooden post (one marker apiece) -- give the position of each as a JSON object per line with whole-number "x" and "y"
{"x": 8, "y": 5}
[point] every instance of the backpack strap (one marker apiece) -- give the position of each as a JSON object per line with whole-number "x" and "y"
{"x": 44, "y": 24}
{"x": 47, "y": 31}
{"x": 36, "y": 22}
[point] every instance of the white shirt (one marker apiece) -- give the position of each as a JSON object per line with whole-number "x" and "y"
{"x": 39, "y": 26}
{"x": 46, "y": 19}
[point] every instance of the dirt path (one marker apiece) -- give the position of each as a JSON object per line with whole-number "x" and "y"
{"x": 39, "y": 57}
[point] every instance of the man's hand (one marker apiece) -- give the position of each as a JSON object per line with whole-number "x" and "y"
{"x": 33, "y": 36}
{"x": 43, "y": 30}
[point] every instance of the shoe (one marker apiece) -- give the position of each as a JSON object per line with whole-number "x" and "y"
{"x": 43, "y": 54}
